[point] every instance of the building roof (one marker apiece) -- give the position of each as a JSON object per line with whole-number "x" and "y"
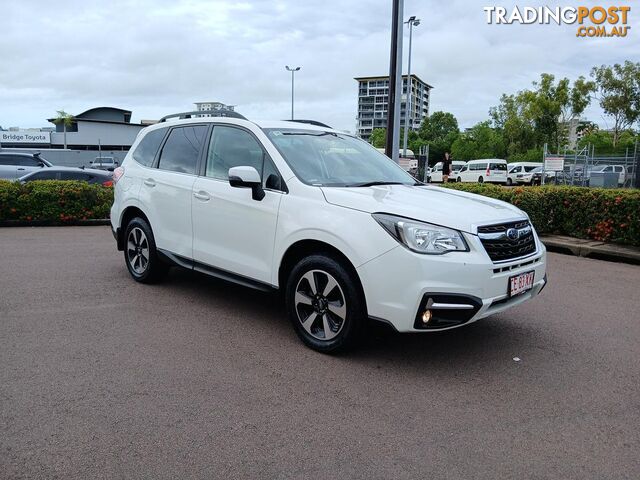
{"x": 386, "y": 77}
{"x": 103, "y": 115}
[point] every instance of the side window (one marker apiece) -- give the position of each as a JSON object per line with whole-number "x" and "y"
{"x": 7, "y": 160}
{"x": 232, "y": 147}
{"x": 74, "y": 176}
{"x": 181, "y": 150}
{"x": 44, "y": 175}
{"x": 146, "y": 150}
{"x": 24, "y": 161}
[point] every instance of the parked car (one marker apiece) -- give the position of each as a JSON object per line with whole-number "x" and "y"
{"x": 14, "y": 165}
{"x": 619, "y": 169}
{"x": 517, "y": 171}
{"x": 347, "y": 234}
{"x": 436, "y": 173}
{"x": 89, "y": 175}
{"x": 493, "y": 170}
{"x": 104, "y": 163}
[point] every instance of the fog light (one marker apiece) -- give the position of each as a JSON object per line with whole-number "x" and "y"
{"x": 426, "y": 316}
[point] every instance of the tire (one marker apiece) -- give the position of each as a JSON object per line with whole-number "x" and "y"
{"x": 140, "y": 254}
{"x": 509, "y": 182}
{"x": 458, "y": 180}
{"x": 340, "y": 309}
{"x": 480, "y": 180}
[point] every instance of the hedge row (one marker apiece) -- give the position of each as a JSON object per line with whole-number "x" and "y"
{"x": 53, "y": 201}
{"x": 609, "y": 215}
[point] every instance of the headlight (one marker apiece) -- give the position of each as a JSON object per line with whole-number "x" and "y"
{"x": 422, "y": 237}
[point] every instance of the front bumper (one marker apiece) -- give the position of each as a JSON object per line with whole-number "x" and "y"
{"x": 395, "y": 284}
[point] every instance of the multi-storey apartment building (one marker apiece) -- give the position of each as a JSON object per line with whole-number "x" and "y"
{"x": 373, "y": 100}
{"x": 208, "y": 106}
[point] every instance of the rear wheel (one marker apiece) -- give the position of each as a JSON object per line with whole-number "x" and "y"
{"x": 458, "y": 180}
{"x": 480, "y": 180}
{"x": 325, "y": 304}
{"x": 140, "y": 253}
{"x": 509, "y": 182}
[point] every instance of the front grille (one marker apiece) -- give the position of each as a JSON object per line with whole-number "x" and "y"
{"x": 500, "y": 248}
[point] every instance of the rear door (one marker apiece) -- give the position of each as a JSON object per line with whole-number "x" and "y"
{"x": 166, "y": 190}
{"x": 27, "y": 164}
{"x": 232, "y": 231}
{"x": 498, "y": 172}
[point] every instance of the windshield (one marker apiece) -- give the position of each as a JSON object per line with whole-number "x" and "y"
{"x": 335, "y": 160}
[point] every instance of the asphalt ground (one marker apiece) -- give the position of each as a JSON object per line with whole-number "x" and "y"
{"x": 101, "y": 377}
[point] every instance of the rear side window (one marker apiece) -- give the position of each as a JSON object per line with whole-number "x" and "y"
{"x": 528, "y": 169}
{"x": 44, "y": 175}
{"x": 27, "y": 161}
{"x": 7, "y": 160}
{"x": 182, "y": 148}
{"x": 147, "y": 148}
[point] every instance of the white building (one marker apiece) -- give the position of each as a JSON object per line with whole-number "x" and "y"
{"x": 373, "y": 101}
{"x": 209, "y": 106}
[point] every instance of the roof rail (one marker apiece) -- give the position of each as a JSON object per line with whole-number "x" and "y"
{"x": 311, "y": 122}
{"x": 220, "y": 112}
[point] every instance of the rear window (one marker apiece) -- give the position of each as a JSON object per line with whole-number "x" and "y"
{"x": 498, "y": 166}
{"x": 146, "y": 150}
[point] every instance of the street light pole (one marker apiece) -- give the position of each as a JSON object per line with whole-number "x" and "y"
{"x": 413, "y": 22}
{"x": 395, "y": 82}
{"x": 293, "y": 70}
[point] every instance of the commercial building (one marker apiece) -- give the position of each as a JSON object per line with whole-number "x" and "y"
{"x": 373, "y": 101}
{"x": 209, "y": 106}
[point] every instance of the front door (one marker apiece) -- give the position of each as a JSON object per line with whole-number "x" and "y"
{"x": 231, "y": 231}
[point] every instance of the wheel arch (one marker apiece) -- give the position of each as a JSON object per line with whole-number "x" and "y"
{"x": 303, "y": 248}
{"x": 128, "y": 214}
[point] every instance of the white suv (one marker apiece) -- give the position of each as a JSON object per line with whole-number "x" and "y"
{"x": 339, "y": 227}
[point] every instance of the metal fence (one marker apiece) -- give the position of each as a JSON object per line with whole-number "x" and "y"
{"x": 588, "y": 169}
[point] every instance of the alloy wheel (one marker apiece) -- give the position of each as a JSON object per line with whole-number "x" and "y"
{"x": 320, "y": 305}
{"x": 138, "y": 250}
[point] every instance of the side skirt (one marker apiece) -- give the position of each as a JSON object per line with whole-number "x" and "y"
{"x": 189, "y": 264}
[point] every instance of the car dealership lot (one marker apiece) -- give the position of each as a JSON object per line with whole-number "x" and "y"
{"x": 101, "y": 377}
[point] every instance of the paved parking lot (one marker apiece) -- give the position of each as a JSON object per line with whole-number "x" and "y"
{"x": 103, "y": 378}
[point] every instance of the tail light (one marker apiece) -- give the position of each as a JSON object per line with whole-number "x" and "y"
{"x": 488, "y": 171}
{"x": 117, "y": 174}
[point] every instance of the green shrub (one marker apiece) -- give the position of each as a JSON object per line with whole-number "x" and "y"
{"x": 609, "y": 215}
{"x": 54, "y": 201}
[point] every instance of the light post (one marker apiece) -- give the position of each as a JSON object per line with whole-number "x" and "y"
{"x": 293, "y": 70}
{"x": 413, "y": 22}
{"x": 395, "y": 82}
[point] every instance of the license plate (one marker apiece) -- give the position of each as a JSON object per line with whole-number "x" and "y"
{"x": 520, "y": 283}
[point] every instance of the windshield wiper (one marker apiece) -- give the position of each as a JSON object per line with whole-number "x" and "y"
{"x": 372, "y": 184}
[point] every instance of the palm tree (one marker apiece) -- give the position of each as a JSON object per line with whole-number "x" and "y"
{"x": 66, "y": 120}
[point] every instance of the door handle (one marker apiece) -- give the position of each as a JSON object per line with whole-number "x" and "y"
{"x": 149, "y": 182}
{"x": 20, "y": 168}
{"x": 201, "y": 195}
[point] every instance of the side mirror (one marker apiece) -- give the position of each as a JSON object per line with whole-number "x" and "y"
{"x": 247, "y": 177}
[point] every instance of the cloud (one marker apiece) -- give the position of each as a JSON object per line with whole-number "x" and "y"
{"x": 158, "y": 57}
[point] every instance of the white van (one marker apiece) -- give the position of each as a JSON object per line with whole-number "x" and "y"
{"x": 519, "y": 172}
{"x": 409, "y": 163}
{"x": 489, "y": 170}
{"x": 436, "y": 172}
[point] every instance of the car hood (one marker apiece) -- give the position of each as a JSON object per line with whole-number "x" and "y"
{"x": 438, "y": 205}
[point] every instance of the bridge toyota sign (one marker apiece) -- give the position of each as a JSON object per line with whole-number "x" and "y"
{"x": 24, "y": 136}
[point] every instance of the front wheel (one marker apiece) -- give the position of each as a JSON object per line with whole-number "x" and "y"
{"x": 325, "y": 304}
{"x": 509, "y": 182}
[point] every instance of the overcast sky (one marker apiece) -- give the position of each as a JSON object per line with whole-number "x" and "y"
{"x": 157, "y": 57}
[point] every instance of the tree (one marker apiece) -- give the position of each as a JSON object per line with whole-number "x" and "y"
{"x": 480, "y": 141}
{"x": 378, "y": 137}
{"x": 439, "y": 131}
{"x": 64, "y": 119}
{"x": 541, "y": 115}
{"x": 619, "y": 94}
